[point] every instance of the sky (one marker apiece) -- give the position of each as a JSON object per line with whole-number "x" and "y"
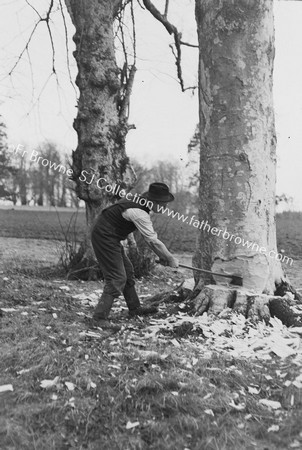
{"x": 35, "y": 107}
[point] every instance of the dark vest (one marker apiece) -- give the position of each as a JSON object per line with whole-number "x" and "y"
{"x": 113, "y": 215}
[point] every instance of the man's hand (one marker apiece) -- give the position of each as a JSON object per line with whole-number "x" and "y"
{"x": 161, "y": 261}
{"x": 173, "y": 262}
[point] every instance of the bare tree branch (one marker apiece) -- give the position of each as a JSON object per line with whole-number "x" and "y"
{"x": 67, "y": 46}
{"x": 138, "y": 1}
{"x": 41, "y": 19}
{"x": 46, "y": 19}
{"x": 24, "y": 49}
{"x": 69, "y": 9}
{"x": 127, "y": 73}
{"x": 189, "y": 45}
{"x": 166, "y": 9}
{"x": 178, "y": 65}
{"x": 119, "y": 6}
{"x": 39, "y": 96}
{"x": 122, "y": 40}
{"x": 133, "y": 32}
{"x": 31, "y": 76}
{"x": 124, "y": 108}
{"x": 162, "y": 18}
{"x": 29, "y": 4}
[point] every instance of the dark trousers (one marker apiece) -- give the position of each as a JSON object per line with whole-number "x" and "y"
{"x": 114, "y": 263}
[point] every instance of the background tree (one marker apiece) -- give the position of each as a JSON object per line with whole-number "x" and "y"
{"x": 101, "y": 123}
{"x": 105, "y": 88}
{"x": 5, "y": 166}
{"x": 7, "y": 170}
{"x": 37, "y": 186}
{"x": 142, "y": 174}
{"x": 64, "y": 185}
{"x": 21, "y": 178}
{"x": 51, "y": 176}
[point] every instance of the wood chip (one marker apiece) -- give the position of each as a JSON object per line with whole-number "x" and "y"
{"x": 6, "y": 388}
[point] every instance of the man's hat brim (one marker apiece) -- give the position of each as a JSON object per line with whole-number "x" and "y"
{"x": 162, "y": 198}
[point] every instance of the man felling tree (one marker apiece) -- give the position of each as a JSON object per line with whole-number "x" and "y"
{"x": 112, "y": 226}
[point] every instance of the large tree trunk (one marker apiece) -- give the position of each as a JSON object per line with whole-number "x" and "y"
{"x": 237, "y": 166}
{"x": 101, "y": 123}
{"x": 238, "y": 142}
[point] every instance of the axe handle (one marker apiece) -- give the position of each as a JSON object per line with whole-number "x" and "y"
{"x": 208, "y": 271}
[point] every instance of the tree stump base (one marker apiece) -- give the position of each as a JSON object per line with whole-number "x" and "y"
{"x": 213, "y": 299}
{"x": 258, "y": 307}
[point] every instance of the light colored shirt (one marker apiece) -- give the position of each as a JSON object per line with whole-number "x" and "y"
{"x": 142, "y": 221}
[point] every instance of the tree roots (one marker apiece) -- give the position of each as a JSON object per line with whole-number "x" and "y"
{"x": 213, "y": 299}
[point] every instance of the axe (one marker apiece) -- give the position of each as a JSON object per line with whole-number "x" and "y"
{"x": 235, "y": 279}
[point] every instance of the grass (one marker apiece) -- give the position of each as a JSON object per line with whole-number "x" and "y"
{"x": 177, "y": 235}
{"x": 175, "y": 396}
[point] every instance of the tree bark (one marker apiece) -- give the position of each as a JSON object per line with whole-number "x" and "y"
{"x": 237, "y": 166}
{"x": 101, "y": 122}
{"x": 238, "y": 141}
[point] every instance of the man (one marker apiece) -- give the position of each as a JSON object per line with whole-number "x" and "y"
{"x": 111, "y": 227}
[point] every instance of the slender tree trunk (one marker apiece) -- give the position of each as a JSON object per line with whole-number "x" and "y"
{"x": 62, "y": 195}
{"x": 101, "y": 123}
{"x": 41, "y": 199}
{"x": 22, "y": 181}
{"x": 238, "y": 142}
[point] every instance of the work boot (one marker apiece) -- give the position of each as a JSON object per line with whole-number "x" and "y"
{"x": 133, "y": 303}
{"x": 107, "y": 325}
{"x": 103, "y": 307}
{"x": 131, "y": 297}
{"x": 103, "y": 324}
{"x": 143, "y": 311}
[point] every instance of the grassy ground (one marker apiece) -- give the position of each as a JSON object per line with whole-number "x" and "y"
{"x": 178, "y": 236}
{"x": 130, "y": 390}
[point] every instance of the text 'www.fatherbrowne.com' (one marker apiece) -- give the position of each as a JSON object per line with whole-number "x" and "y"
{"x": 224, "y": 234}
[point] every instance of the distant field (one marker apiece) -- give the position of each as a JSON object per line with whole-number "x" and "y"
{"x": 38, "y": 224}
{"x": 289, "y": 233}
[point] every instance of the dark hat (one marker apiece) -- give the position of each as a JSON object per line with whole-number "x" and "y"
{"x": 158, "y": 192}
